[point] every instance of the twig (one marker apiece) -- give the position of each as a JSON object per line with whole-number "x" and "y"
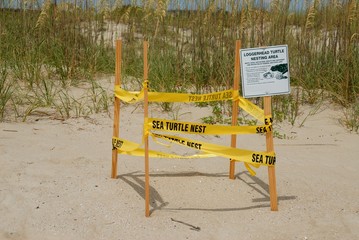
{"x": 9, "y": 130}
{"x": 187, "y": 224}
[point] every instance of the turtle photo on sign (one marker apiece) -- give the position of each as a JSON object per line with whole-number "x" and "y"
{"x": 277, "y": 71}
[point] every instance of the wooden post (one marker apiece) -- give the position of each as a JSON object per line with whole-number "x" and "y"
{"x": 237, "y": 75}
{"x": 145, "y": 81}
{"x": 270, "y": 148}
{"x": 116, "y": 115}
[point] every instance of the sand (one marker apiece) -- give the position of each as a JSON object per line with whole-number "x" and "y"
{"x": 55, "y": 182}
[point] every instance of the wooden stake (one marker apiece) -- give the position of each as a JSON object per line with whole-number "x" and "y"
{"x": 270, "y": 148}
{"x": 116, "y": 115}
{"x": 145, "y": 80}
{"x": 237, "y": 75}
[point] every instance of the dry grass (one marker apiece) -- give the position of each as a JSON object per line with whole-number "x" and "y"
{"x": 188, "y": 49}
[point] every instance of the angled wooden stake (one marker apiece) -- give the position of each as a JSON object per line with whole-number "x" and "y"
{"x": 145, "y": 85}
{"x": 116, "y": 115}
{"x": 270, "y": 148}
{"x": 235, "y": 105}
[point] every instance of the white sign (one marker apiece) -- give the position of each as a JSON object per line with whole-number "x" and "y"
{"x": 265, "y": 71}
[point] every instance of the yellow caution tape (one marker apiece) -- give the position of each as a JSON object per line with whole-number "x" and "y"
{"x": 251, "y": 157}
{"x": 246, "y": 105}
{"x": 133, "y": 149}
{"x": 251, "y": 108}
{"x": 195, "y": 128}
{"x": 130, "y": 148}
{"x": 132, "y": 97}
{"x": 250, "y": 170}
{"x": 124, "y": 145}
{"x": 127, "y": 96}
{"x": 268, "y": 120}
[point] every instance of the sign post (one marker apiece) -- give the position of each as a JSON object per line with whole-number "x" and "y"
{"x": 265, "y": 72}
{"x": 116, "y": 115}
{"x": 147, "y": 174}
{"x": 237, "y": 76}
{"x": 270, "y": 148}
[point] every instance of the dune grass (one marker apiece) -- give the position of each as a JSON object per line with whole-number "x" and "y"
{"x": 45, "y": 51}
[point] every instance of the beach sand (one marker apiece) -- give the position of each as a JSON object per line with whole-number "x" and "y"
{"x": 55, "y": 182}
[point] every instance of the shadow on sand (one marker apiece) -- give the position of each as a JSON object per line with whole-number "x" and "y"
{"x": 136, "y": 181}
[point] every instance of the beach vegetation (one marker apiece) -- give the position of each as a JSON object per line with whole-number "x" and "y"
{"x": 47, "y": 49}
